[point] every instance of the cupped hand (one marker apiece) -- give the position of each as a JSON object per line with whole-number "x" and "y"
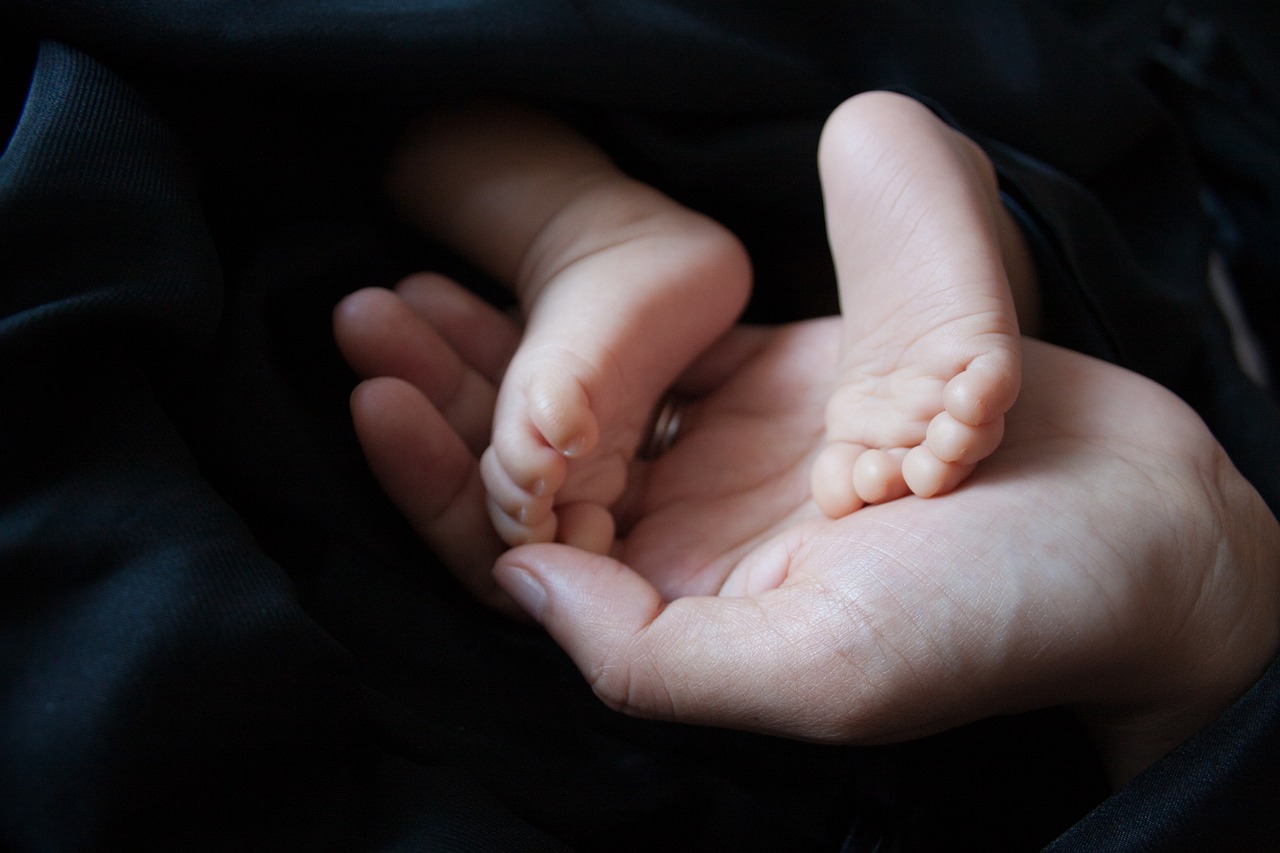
{"x": 1107, "y": 556}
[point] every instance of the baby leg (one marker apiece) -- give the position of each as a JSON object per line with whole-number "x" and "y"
{"x": 932, "y": 272}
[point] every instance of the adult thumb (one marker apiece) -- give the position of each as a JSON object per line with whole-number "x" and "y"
{"x": 697, "y": 659}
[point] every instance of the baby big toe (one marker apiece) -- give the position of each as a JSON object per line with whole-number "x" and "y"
{"x": 984, "y": 391}
{"x": 560, "y": 410}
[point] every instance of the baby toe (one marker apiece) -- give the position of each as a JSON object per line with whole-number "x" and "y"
{"x": 526, "y": 459}
{"x": 985, "y": 390}
{"x": 523, "y": 505}
{"x": 587, "y": 526}
{"x": 560, "y": 410}
{"x": 877, "y": 475}
{"x": 515, "y": 533}
{"x": 927, "y": 476}
{"x": 953, "y": 441}
{"x": 831, "y": 479}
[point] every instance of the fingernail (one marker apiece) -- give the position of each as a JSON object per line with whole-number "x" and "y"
{"x": 524, "y": 588}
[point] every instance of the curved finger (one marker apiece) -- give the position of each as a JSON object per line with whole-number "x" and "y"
{"x": 734, "y": 662}
{"x": 380, "y": 334}
{"x": 431, "y": 476}
{"x": 480, "y": 334}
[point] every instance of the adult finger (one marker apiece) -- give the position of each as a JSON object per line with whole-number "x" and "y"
{"x": 484, "y": 337}
{"x": 762, "y": 663}
{"x": 431, "y": 476}
{"x": 380, "y": 334}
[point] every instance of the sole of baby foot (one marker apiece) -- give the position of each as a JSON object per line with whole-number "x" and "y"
{"x": 927, "y": 461}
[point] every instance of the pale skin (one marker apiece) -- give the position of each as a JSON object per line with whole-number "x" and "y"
{"x": 933, "y": 277}
{"x": 1106, "y": 556}
{"x": 621, "y": 288}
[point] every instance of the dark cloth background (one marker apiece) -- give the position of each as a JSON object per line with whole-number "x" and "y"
{"x": 214, "y": 631}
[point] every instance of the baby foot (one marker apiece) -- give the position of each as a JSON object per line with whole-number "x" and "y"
{"x": 928, "y": 264}
{"x": 620, "y": 288}
{"x": 549, "y": 413}
{"x": 606, "y": 337}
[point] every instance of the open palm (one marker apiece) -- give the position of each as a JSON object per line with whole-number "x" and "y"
{"x": 1090, "y": 561}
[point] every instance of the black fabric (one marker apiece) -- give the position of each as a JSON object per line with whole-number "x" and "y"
{"x": 214, "y": 631}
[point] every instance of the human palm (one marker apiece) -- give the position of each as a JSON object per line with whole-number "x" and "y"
{"x": 1056, "y": 575}
{"x": 1090, "y": 561}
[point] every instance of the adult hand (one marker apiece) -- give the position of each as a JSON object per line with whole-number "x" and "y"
{"x": 1108, "y": 556}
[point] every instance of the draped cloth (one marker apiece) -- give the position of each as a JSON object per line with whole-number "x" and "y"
{"x": 216, "y": 633}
